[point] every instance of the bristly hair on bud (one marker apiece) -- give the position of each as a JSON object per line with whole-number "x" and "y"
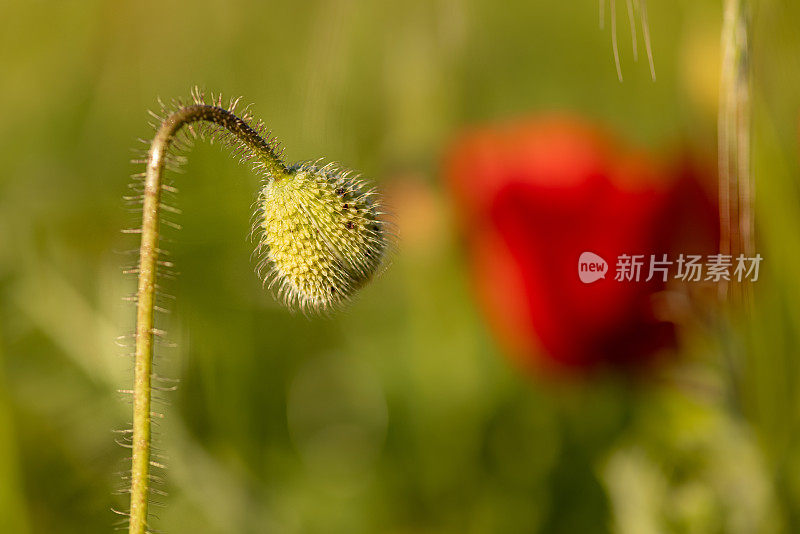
{"x": 322, "y": 235}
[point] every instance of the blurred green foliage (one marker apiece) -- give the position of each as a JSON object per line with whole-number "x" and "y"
{"x": 399, "y": 415}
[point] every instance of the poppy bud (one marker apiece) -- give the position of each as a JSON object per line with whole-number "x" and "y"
{"x": 322, "y": 233}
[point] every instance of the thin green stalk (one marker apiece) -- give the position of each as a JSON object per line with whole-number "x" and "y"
{"x": 735, "y": 174}
{"x": 735, "y": 178}
{"x": 148, "y": 265}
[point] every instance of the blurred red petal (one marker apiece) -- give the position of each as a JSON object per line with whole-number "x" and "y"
{"x": 533, "y": 197}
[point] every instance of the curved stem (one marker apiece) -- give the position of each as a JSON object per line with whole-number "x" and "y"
{"x": 148, "y": 262}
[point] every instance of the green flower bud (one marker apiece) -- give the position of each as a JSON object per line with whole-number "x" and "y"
{"x": 322, "y": 233}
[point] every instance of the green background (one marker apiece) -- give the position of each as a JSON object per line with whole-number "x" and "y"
{"x": 400, "y": 415}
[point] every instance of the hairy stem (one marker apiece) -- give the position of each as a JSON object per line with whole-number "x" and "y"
{"x": 148, "y": 265}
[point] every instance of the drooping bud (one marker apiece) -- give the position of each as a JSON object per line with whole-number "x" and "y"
{"x": 323, "y": 235}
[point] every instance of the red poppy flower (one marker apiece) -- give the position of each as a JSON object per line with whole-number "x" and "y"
{"x": 536, "y": 195}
